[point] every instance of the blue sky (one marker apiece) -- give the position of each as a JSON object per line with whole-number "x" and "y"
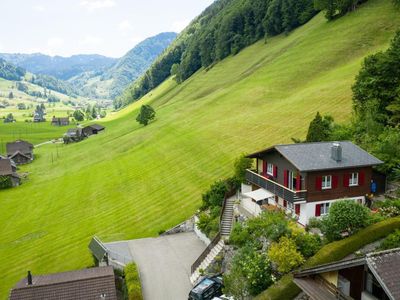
{"x": 108, "y": 27}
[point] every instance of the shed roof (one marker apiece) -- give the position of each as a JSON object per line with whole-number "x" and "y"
{"x": 83, "y": 284}
{"x": 19, "y": 145}
{"x": 95, "y": 126}
{"x": 6, "y": 167}
{"x": 317, "y": 156}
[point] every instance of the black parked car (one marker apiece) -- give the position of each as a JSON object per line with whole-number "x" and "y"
{"x": 207, "y": 289}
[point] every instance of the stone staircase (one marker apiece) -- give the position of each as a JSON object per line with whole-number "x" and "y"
{"x": 207, "y": 261}
{"x": 227, "y": 218}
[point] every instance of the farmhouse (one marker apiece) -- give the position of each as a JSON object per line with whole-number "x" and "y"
{"x": 60, "y": 121}
{"x": 93, "y": 283}
{"x": 74, "y": 135}
{"x": 8, "y": 169}
{"x": 93, "y": 129}
{"x": 305, "y": 178}
{"x": 39, "y": 116}
{"x": 375, "y": 276}
{"x": 21, "y": 152}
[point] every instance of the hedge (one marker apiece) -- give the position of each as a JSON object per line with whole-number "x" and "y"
{"x": 132, "y": 281}
{"x": 286, "y": 289}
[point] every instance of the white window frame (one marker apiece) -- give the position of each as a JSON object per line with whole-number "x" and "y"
{"x": 325, "y": 208}
{"x": 353, "y": 180}
{"x": 326, "y": 182}
{"x": 270, "y": 169}
{"x": 290, "y": 206}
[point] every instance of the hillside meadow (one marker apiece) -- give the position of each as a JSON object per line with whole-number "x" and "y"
{"x": 134, "y": 181}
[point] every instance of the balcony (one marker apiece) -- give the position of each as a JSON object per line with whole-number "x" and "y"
{"x": 275, "y": 188}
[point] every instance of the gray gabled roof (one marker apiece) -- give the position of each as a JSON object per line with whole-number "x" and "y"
{"x": 317, "y": 156}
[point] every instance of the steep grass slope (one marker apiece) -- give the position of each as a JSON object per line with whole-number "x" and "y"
{"x": 132, "y": 181}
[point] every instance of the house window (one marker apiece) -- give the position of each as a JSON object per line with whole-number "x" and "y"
{"x": 270, "y": 169}
{"x": 324, "y": 209}
{"x": 290, "y": 206}
{"x": 326, "y": 182}
{"x": 353, "y": 180}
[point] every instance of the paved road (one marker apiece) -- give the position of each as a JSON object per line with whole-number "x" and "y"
{"x": 164, "y": 264}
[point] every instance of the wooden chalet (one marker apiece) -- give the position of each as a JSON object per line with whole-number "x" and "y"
{"x": 93, "y": 129}
{"x": 60, "y": 121}
{"x": 21, "y": 152}
{"x": 9, "y": 169}
{"x": 93, "y": 283}
{"x": 373, "y": 277}
{"x": 74, "y": 135}
{"x": 306, "y": 178}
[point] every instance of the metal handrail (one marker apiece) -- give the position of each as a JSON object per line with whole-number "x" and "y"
{"x": 206, "y": 251}
{"x": 278, "y": 184}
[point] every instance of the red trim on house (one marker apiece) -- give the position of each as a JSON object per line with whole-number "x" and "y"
{"x": 298, "y": 182}
{"x": 335, "y": 182}
{"x": 346, "y": 179}
{"x": 317, "y": 210}
{"x": 361, "y": 178}
{"x": 284, "y": 203}
{"x": 285, "y": 178}
{"x": 264, "y": 171}
{"x": 275, "y": 171}
{"x": 297, "y": 209}
{"x": 318, "y": 183}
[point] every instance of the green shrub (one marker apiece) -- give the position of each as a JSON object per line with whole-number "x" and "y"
{"x": 344, "y": 216}
{"x": 286, "y": 289}
{"x": 308, "y": 244}
{"x": 314, "y": 223}
{"x": 284, "y": 255}
{"x": 5, "y": 182}
{"x": 132, "y": 281}
{"x": 391, "y": 241}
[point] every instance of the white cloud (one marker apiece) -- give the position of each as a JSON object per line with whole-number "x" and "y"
{"x": 125, "y": 26}
{"x": 97, "y": 4}
{"x": 178, "y": 26}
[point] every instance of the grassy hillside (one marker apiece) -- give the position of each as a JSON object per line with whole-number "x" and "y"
{"x": 132, "y": 181}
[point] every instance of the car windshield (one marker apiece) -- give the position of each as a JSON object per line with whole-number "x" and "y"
{"x": 202, "y": 286}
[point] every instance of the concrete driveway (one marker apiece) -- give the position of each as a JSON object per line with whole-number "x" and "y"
{"x": 164, "y": 264}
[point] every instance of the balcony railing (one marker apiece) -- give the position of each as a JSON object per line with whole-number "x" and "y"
{"x": 276, "y": 188}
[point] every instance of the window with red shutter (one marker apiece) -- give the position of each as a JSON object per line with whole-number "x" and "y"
{"x": 264, "y": 171}
{"x": 285, "y": 178}
{"x": 346, "y": 180}
{"x": 335, "y": 180}
{"x": 297, "y": 209}
{"x": 361, "y": 178}
{"x": 318, "y": 183}
{"x": 298, "y": 182}
{"x": 317, "y": 210}
{"x": 275, "y": 171}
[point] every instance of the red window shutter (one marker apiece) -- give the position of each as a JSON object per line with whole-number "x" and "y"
{"x": 285, "y": 178}
{"x": 298, "y": 182}
{"x": 361, "y": 178}
{"x": 317, "y": 210}
{"x": 335, "y": 180}
{"x": 346, "y": 179}
{"x": 318, "y": 183}
{"x": 297, "y": 209}
{"x": 284, "y": 203}
{"x": 275, "y": 171}
{"x": 264, "y": 172}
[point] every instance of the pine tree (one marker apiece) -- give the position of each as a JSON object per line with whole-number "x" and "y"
{"x": 319, "y": 129}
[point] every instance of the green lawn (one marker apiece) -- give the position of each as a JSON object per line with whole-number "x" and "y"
{"x": 132, "y": 181}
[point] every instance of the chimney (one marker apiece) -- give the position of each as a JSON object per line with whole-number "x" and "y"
{"x": 29, "y": 278}
{"x": 336, "y": 152}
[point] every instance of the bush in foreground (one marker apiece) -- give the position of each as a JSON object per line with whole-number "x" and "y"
{"x": 132, "y": 281}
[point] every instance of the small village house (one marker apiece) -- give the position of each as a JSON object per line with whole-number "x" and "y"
{"x": 9, "y": 169}
{"x": 74, "y": 135}
{"x": 305, "y": 179}
{"x": 21, "y": 152}
{"x": 93, "y": 129}
{"x": 93, "y": 283}
{"x": 375, "y": 276}
{"x": 60, "y": 121}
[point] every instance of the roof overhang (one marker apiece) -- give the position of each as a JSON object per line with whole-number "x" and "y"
{"x": 259, "y": 194}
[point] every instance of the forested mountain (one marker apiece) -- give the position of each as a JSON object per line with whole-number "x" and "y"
{"x": 57, "y": 66}
{"x": 224, "y": 28}
{"x": 113, "y": 81}
{"x": 10, "y": 72}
